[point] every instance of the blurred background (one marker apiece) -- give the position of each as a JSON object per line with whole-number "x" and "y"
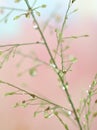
{"x": 84, "y": 21}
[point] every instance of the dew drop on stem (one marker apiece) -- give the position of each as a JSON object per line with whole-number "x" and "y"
{"x": 35, "y": 26}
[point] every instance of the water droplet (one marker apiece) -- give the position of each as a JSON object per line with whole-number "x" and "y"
{"x": 87, "y": 91}
{"x": 89, "y": 86}
{"x": 63, "y": 87}
{"x": 52, "y": 65}
{"x": 35, "y": 27}
{"x": 69, "y": 112}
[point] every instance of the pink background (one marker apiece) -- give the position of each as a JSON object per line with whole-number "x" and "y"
{"x": 85, "y": 49}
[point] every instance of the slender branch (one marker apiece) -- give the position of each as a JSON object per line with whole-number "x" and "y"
{"x": 71, "y": 102}
{"x": 61, "y": 32}
{"x": 6, "y": 16}
{"x": 36, "y": 8}
{"x": 65, "y": 126}
{"x": 76, "y": 37}
{"x": 64, "y": 22}
{"x": 62, "y": 57}
{"x": 38, "y": 27}
{"x": 68, "y": 95}
{"x": 66, "y": 15}
{"x": 22, "y": 44}
{"x": 61, "y": 79}
{"x": 33, "y": 95}
{"x": 11, "y": 8}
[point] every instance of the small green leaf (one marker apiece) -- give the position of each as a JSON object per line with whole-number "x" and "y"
{"x": 10, "y": 93}
{"x": 94, "y": 83}
{"x": 46, "y": 114}
{"x": 75, "y": 10}
{"x": 44, "y": 6}
{"x": 51, "y": 61}
{"x": 17, "y": 17}
{"x": 55, "y": 112}
{"x": 59, "y": 36}
{"x": 36, "y": 113}
{"x": 17, "y": 1}
{"x": 73, "y": 59}
{"x": 32, "y": 71}
{"x": 37, "y": 13}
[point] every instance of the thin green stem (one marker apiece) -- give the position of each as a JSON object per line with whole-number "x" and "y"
{"x": 75, "y": 37}
{"x": 14, "y": 9}
{"x": 62, "y": 29}
{"x": 66, "y": 90}
{"x": 65, "y": 126}
{"x": 61, "y": 33}
{"x": 62, "y": 57}
{"x": 33, "y": 95}
{"x": 6, "y": 16}
{"x": 38, "y": 27}
{"x": 17, "y": 45}
{"x": 71, "y": 102}
{"x": 66, "y": 15}
{"x": 36, "y": 8}
{"x": 68, "y": 95}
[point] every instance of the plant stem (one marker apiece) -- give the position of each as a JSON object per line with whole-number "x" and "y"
{"x": 61, "y": 32}
{"x": 65, "y": 126}
{"x": 33, "y": 95}
{"x": 66, "y": 90}
{"x": 71, "y": 102}
{"x": 62, "y": 57}
{"x": 68, "y": 95}
{"x": 66, "y": 15}
{"x": 14, "y": 9}
{"x": 38, "y": 27}
{"x": 22, "y": 44}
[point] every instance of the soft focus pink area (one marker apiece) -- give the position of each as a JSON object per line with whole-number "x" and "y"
{"x": 45, "y": 83}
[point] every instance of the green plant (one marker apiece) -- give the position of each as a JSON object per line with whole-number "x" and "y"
{"x": 60, "y": 65}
